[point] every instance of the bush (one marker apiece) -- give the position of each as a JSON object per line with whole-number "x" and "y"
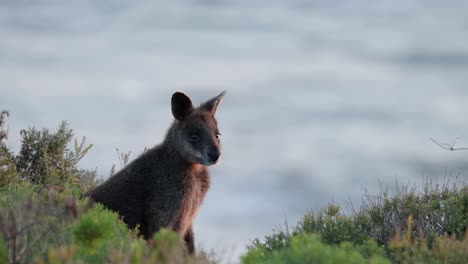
{"x": 45, "y": 159}
{"x": 7, "y": 164}
{"x": 334, "y": 227}
{"x": 3, "y": 251}
{"x": 97, "y": 232}
{"x": 31, "y": 219}
{"x": 309, "y": 249}
{"x": 53, "y": 226}
{"x": 437, "y": 210}
{"x": 438, "y": 213}
{"x": 445, "y": 249}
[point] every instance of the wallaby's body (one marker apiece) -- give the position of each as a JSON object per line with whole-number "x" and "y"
{"x": 165, "y": 186}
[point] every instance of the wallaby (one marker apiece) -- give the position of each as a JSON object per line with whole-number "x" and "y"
{"x": 165, "y": 186}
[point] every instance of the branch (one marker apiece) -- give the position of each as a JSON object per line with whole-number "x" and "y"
{"x": 448, "y": 146}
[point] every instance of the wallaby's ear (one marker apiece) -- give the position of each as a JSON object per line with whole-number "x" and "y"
{"x": 181, "y": 106}
{"x": 212, "y": 104}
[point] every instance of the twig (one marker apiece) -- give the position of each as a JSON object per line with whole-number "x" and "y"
{"x": 448, "y": 146}
{"x": 123, "y": 158}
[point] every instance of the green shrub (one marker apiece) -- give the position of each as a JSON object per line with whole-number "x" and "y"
{"x": 93, "y": 227}
{"x": 45, "y": 159}
{"x": 434, "y": 213}
{"x": 40, "y": 225}
{"x": 334, "y": 227}
{"x": 437, "y": 210}
{"x": 309, "y": 249}
{"x": 3, "y": 251}
{"x": 368, "y": 249}
{"x": 445, "y": 249}
{"x": 8, "y": 173}
{"x": 34, "y": 218}
{"x": 98, "y": 231}
{"x": 279, "y": 239}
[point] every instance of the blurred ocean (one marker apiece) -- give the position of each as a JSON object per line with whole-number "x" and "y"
{"x": 324, "y": 97}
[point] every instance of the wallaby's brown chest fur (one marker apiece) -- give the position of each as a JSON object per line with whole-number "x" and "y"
{"x": 195, "y": 185}
{"x": 165, "y": 186}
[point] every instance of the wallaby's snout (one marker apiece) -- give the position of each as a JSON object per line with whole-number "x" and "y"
{"x": 214, "y": 154}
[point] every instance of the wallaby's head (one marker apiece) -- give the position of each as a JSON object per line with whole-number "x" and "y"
{"x": 195, "y": 133}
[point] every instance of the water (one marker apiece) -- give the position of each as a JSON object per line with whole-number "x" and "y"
{"x": 323, "y": 97}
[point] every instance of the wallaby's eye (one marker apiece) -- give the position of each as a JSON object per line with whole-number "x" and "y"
{"x": 218, "y": 134}
{"x": 194, "y": 137}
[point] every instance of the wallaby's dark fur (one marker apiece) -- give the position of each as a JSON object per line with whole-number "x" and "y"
{"x": 165, "y": 186}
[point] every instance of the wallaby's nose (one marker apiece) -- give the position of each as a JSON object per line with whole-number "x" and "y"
{"x": 214, "y": 154}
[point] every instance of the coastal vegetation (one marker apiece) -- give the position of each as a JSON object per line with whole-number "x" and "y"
{"x": 45, "y": 218}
